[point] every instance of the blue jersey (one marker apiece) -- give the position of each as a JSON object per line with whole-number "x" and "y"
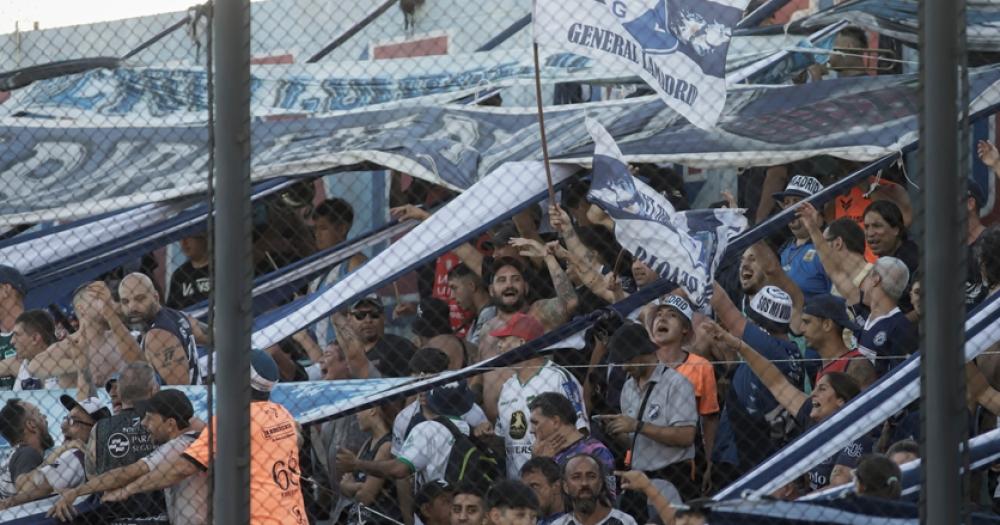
{"x": 177, "y": 324}
{"x": 888, "y": 340}
{"x": 751, "y": 413}
{"x": 801, "y": 263}
{"x": 751, "y": 392}
{"x": 819, "y": 474}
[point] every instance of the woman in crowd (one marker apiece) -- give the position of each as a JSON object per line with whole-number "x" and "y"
{"x": 886, "y": 235}
{"x": 878, "y": 476}
{"x": 832, "y": 392}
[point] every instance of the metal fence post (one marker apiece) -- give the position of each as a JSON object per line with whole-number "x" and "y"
{"x": 943, "y": 382}
{"x": 231, "y": 25}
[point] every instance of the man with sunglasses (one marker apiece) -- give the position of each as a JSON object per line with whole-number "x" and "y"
{"x": 363, "y": 330}
{"x": 64, "y": 467}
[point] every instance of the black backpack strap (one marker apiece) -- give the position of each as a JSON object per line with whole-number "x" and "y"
{"x": 465, "y": 350}
{"x": 458, "y": 435}
{"x": 638, "y": 416}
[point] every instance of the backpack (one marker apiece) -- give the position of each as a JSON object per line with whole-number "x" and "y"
{"x": 472, "y": 461}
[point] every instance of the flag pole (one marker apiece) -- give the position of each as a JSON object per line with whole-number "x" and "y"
{"x": 541, "y": 127}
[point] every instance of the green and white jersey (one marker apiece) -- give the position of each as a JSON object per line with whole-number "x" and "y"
{"x": 7, "y": 352}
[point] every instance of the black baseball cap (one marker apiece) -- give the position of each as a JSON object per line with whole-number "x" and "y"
{"x": 370, "y": 299}
{"x": 433, "y": 318}
{"x": 431, "y": 490}
{"x": 453, "y": 399}
{"x": 628, "y": 342}
{"x": 429, "y": 360}
{"x": 14, "y": 277}
{"x": 826, "y": 306}
{"x": 169, "y": 404}
{"x": 93, "y": 406}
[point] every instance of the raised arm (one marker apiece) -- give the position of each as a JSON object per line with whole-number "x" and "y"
{"x": 587, "y": 258}
{"x": 121, "y": 335}
{"x": 557, "y": 310}
{"x": 730, "y": 316}
{"x": 468, "y": 253}
{"x": 775, "y": 275}
{"x": 783, "y": 390}
{"x": 834, "y": 269}
{"x": 989, "y": 155}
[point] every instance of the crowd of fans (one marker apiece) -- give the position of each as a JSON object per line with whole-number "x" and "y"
{"x": 657, "y": 411}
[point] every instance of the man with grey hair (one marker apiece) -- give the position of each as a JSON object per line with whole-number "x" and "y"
{"x": 117, "y": 442}
{"x": 888, "y": 336}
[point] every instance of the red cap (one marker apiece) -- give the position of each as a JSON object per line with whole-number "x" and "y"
{"x": 520, "y": 325}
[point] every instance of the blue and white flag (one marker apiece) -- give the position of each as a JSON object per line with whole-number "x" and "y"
{"x": 678, "y": 47}
{"x": 681, "y": 247}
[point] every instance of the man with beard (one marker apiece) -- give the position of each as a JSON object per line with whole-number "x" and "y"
{"x": 167, "y": 341}
{"x": 751, "y": 275}
{"x": 584, "y": 484}
{"x": 544, "y": 476}
{"x": 362, "y": 332}
{"x": 64, "y": 467}
{"x": 27, "y": 431}
{"x": 509, "y": 291}
{"x": 168, "y": 417}
{"x": 798, "y": 255}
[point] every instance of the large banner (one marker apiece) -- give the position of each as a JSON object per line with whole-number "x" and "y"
{"x": 678, "y": 47}
{"x": 173, "y": 95}
{"x": 51, "y": 170}
{"x": 512, "y": 187}
{"x": 900, "y": 19}
{"x": 299, "y": 398}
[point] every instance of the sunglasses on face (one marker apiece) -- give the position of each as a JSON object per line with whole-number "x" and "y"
{"x": 360, "y": 315}
{"x": 70, "y": 420}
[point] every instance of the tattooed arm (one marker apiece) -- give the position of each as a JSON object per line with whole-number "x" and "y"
{"x": 555, "y": 311}
{"x": 165, "y": 352}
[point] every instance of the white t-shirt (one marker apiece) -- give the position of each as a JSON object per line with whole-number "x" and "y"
{"x": 427, "y": 448}
{"x": 513, "y": 417}
{"x": 26, "y": 381}
{"x": 187, "y": 501}
{"x": 616, "y": 517}
{"x": 474, "y": 417}
{"x": 66, "y": 471}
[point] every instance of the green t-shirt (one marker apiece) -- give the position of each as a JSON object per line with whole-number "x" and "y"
{"x": 7, "y": 352}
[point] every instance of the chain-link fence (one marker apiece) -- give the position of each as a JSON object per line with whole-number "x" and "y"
{"x": 697, "y": 298}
